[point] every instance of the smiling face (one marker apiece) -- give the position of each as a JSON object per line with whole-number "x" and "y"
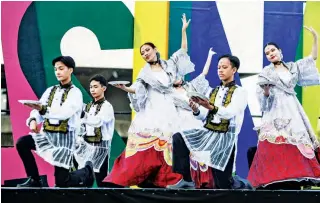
{"x": 148, "y": 53}
{"x": 272, "y": 53}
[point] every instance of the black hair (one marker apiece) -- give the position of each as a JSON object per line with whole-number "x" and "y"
{"x": 153, "y": 47}
{"x": 235, "y": 62}
{"x": 148, "y": 43}
{"x": 271, "y": 43}
{"x": 99, "y": 78}
{"x": 66, "y": 60}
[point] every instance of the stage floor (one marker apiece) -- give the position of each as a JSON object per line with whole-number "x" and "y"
{"x": 109, "y": 195}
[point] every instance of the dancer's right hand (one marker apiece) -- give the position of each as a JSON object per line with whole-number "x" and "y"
{"x": 193, "y": 105}
{"x": 125, "y": 88}
{"x": 33, "y": 126}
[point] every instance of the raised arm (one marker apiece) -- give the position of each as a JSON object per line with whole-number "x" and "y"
{"x": 184, "y": 40}
{"x": 308, "y": 74}
{"x": 208, "y": 62}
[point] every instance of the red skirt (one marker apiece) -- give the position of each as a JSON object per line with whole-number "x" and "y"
{"x": 276, "y": 163}
{"x": 201, "y": 175}
{"x": 147, "y": 164}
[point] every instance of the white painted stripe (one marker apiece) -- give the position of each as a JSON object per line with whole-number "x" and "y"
{"x": 243, "y": 25}
{"x": 83, "y": 45}
{"x": 249, "y": 83}
{"x": 130, "y": 5}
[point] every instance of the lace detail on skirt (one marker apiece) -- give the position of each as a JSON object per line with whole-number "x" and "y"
{"x": 55, "y": 148}
{"x": 94, "y": 152}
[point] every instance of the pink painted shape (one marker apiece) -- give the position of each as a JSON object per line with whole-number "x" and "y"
{"x": 18, "y": 88}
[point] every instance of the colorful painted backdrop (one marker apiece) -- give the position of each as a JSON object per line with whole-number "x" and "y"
{"x": 109, "y": 34}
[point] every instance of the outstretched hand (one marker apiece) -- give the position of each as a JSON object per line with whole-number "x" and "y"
{"x": 211, "y": 52}
{"x": 185, "y": 23}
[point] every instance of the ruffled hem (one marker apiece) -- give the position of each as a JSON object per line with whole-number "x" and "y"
{"x": 313, "y": 180}
{"x": 275, "y": 163}
{"x": 57, "y": 156}
{"x": 87, "y": 152}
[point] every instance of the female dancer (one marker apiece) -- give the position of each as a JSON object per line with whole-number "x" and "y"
{"x": 147, "y": 156}
{"x": 285, "y": 156}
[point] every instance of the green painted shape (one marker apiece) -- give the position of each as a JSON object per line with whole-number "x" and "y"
{"x": 95, "y": 185}
{"x": 299, "y": 55}
{"x": 176, "y": 9}
{"x": 111, "y": 22}
{"x": 116, "y": 149}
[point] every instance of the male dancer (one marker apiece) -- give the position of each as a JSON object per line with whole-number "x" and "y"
{"x": 59, "y": 113}
{"x": 215, "y": 143}
{"x": 98, "y": 122}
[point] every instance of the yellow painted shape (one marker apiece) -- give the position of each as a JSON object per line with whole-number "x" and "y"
{"x": 134, "y": 187}
{"x": 151, "y": 24}
{"x": 311, "y": 95}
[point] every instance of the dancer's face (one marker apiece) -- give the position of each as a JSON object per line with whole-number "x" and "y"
{"x": 272, "y": 53}
{"x": 62, "y": 72}
{"x": 97, "y": 89}
{"x": 225, "y": 70}
{"x": 148, "y": 53}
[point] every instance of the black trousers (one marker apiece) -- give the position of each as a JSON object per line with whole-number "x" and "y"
{"x": 250, "y": 155}
{"x": 181, "y": 164}
{"x": 63, "y": 178}
{"x": 103, "y": 171}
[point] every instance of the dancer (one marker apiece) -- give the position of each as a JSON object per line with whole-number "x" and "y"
{"x": 98, "y": 122}
{"x": 215, "y": 143}
{"x": 285, "y": 157}
{"x": 147, "y": 156}
{"x": 59, "y": 113}
{"x": 201, "y": 175}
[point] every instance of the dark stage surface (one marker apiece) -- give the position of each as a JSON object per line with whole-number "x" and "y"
{"x": 108, "y": 195}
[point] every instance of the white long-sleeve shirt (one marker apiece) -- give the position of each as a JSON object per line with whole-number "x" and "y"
{"x": 104, "y": 119}
{"x": 235, "y": 109}
{"x": 70, "y": 109}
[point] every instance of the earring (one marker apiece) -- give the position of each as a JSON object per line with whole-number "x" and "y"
{"x": 281, "y": 56}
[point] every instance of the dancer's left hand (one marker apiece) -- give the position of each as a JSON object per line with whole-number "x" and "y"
{"x": 202, "y": 102}
{"x": 211, "y": 52}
